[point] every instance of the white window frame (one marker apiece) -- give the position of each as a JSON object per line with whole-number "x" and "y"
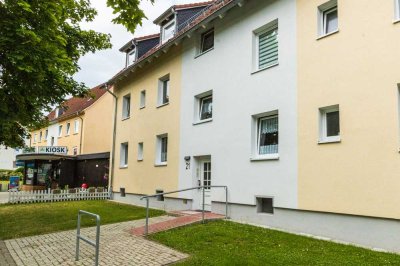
{"x": 40, "y": 136}
{"x": 34, "y": 138}
{"x": 396, "y": 11}
{"x": 124, "y": 155}
{"x": 76, "y": 126}
{"x": 256, "y": 43}
{"x": 142, "y": 99}
{"x": 255, "y": 155}
{"x": 323, "y": 138}
{"x": 126, "y": 106}
{"x": 323, "y": 11}
{"x": 68, "y": 129}
{"x": 60, "y": 129}
{"x": 46, "y": 134}
{"x": 140, "y": 151}
{"x": 161, "y": 87}
{"x": 129, "y": 55}
{"x": 202, "y": 41}
{"x": 167, "y": 25}
{"x": 75, "y": 150}
{"x": 198, "y": 107}
{"x": 159, "y": 161}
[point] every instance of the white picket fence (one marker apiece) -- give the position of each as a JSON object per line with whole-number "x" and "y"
{"x": 15, "y": 196}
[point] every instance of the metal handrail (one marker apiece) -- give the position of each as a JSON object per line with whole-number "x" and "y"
{"x": 147, "y": 197}
{"x": 96, "y": 244}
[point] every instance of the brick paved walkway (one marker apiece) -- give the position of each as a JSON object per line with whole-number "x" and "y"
{"x": 184, "y": 218}
{"x": 5, "y": 256}
{"x": 117, "y": 247}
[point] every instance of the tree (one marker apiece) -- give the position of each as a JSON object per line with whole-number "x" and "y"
{"x": 40, "y": 45}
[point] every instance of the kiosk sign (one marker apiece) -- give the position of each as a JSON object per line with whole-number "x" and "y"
{"x": 53, "y": 149}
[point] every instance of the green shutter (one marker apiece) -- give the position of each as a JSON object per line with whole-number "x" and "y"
{"x": 268, "y": 48}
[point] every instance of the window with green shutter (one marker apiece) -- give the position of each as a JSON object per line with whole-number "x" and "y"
{"x": 268, "y": 48}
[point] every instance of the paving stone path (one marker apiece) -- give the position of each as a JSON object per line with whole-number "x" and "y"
{"x": 117, "y": 247}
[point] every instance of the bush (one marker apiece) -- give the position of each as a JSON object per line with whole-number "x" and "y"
{"x": 5, "y": 174}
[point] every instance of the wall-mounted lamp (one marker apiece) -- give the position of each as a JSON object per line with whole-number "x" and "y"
{"x": 187, "y": 160}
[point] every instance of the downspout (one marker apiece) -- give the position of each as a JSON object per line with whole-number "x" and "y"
{"x": 80, "y": 141}
{"x": 113, "y": 140}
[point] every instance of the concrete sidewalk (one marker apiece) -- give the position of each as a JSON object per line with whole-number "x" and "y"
{"x": 117, "y": 247}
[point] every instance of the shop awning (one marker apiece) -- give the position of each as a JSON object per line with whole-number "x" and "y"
{"x": 43, "y": 156}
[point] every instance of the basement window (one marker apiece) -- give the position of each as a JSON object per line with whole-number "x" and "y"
{"x": 159, "y": 197}
{"x": 265, "y": 205}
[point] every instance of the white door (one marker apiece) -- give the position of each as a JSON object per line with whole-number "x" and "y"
{"x": 206, "y": 182}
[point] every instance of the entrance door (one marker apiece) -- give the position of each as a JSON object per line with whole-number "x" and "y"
{"x": 206, "y": 182}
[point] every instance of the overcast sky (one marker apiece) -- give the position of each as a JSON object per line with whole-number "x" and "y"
{"x": 101, "y": 66}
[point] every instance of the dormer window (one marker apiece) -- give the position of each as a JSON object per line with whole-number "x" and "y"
{"x": 168, "y": 31}
{"x": 131, "y": 57}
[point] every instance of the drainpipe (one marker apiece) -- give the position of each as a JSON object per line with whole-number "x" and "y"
{"x": 110, "y": 182}
{"x": 80, "y": 141}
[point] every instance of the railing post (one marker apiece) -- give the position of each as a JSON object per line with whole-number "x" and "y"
{"x": 147, "y": 218}
{"x": 226, "y": 202}
{"x": 78, "y": 233}
{"x": 202, "y": 213}
{"x": 97, "y": 240}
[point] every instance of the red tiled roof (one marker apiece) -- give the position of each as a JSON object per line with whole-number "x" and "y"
{"x": 76, "y": 105}
{"x": 184, "y": 6}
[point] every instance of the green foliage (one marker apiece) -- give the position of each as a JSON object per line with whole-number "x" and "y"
{"x": 19, "y": 220}
{"x": 40, "y": 45}
{"x": 5, "y": 174}
{"x": 228, "y": 243}
{"x": 129, "y": 13}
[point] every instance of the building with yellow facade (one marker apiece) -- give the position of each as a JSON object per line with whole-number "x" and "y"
{"x": 75, "y": 146}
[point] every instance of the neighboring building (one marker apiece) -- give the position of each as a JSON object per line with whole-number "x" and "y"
{"x": 8, "y": 158}
{"x": 75, "y": 147}
{"x": 270, "y": 99}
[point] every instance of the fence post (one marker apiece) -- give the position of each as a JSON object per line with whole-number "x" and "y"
{"x": 146, "y": 230}
{"x": 226, "y": 202}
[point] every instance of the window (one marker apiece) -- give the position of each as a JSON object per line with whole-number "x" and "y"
{"x": 328, "y": 18}
{"x": 168, "y": 31}
{"x": 124, "y": 155}
{"x": 265, "y": 205}
{"x": 329, "y": 124}
{"x": 159, "y": 197}
{"x": 40, "y": 136}
{"x": 206, "y": 107}
{"x": 140, "y": 151}
{"x": 52, "y": 141}
{"x": 207, "y": 41}
{"x": 46, "y": 134}
{"x": 126, "y": 106}
{"x": 76, "y": 126}
{"x": 163, "y": 91}
{"x": 162, "y": 149}
{"x": 75, "y": 150}
{"x": 68, "y": 128}
{"x": 60, "y": 131}
{"x": 397, "y": 10}
{"x": 142, "y": 99}
{"x": 268, "y": 135}
{"x": 34, "y": 137}
{"x": 267, "y": 46}
{"x": 131, "y": 57}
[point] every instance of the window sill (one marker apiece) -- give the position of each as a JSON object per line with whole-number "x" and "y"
{"x": 162, "y": 105}
{"x": 140, "y": 160}
{"x": 202, "y": 121}
{"x": 123, "y": 167}
{"x": 327, "y": 35}
{"x": 160, "y": 164}
{"x": 125, "y": 118}
{"x": 327, "y": 141}
{"x": 202, "y": 53}
{"x": 265, "y": 158}
{"x": 264, "y": 68}
{"x": 142, "y": 107}
{"x": 396, "y": 21}
{"x": 75, "y": 134}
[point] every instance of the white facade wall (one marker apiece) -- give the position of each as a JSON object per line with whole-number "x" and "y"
{"x": 53, "y": 132}
{"x": 7, "y": 158}
{"x": 238, "y": 94}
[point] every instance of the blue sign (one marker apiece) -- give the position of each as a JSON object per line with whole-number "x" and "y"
{"x": 20, "y": 163}
{"x": 14, "y": 182}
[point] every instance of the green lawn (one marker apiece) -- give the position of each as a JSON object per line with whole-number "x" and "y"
{"x": 33, "y": 219}
{"x": 228, "y": 243}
